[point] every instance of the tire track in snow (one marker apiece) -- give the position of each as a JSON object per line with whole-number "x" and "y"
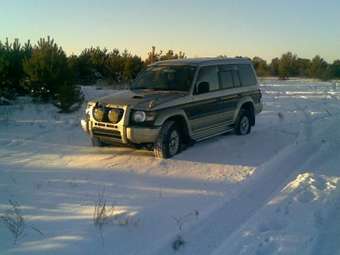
{"x": 328, "y": 224}
{"x": 329, "y": 230}
{"x": 206, "y": 235}
{"x": 214, "y": 230}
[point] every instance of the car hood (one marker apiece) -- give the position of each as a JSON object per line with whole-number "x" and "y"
{"x": 141, "y": 99}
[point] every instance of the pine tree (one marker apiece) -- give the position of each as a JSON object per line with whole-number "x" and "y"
{"x": 132, "y": 66}
{"x": 319, "y": 68}
{"x": 12, "y": 74}
{"x": 68, "y": 97}
{"x": 335, "y": 69}
{"x": 303, "y": 66}
{"x": 274, "y": 67}
{"x": 287, "y": 65}
{"x": 50, "y": 76}
{"x": 114, "y": 66}
{"x": 261, "y": 67}
{"x": 153, "y": 56}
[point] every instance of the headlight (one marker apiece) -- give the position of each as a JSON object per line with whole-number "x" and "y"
{"x": 139, "y": 116}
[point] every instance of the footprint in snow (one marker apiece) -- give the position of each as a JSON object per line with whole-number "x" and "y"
{"x": 267, "y": 247}
{"x": 305, "y": 197}
{"x": 271, "y": 225}
{"x": 281, "y": 116}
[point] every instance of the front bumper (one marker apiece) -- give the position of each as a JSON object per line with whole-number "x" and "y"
{"x": 109, "y": 133}
{"x": 140, "y": 135}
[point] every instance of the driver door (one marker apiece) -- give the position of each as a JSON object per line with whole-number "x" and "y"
{"x": 204, "y": 112}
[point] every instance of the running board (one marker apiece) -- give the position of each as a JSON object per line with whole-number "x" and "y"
{"x": 211, "y": 133}
{"x": 217, "y": 134}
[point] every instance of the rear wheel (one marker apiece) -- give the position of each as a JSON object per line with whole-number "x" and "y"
{"x": 243, "y": 125}
{"x": 169, "y": 141}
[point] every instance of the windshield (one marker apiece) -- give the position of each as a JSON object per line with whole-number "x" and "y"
{"x": 177, "y": 78}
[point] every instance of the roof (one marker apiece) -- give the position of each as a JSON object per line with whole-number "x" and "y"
{"x": 203, "y": 61}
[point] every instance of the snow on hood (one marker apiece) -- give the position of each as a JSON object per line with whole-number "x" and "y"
{"x": 142, "y": 99}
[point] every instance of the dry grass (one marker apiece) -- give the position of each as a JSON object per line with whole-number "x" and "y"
{"x": 13, "y": 220}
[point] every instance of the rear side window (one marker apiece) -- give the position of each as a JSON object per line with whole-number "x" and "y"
{"x": 227, "y": 79}
{"x": 247, "y": 75}
{"x": 209, "y": 74}
{"x": 236, "y": 77}
{"x": 229, "y": 76}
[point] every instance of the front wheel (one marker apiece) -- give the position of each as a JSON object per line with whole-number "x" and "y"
{"x": 243, "y": 125}
{"x": 169, "y": 141}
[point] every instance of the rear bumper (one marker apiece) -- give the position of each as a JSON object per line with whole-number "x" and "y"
{"x": 120, "y": 134}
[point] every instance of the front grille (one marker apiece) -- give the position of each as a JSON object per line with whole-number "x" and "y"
{"x": 105, "y": 125}
{"x": 114, "y": 134}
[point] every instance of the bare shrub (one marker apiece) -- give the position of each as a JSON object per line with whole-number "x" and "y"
{"x": 178, "y": 243}
{"x": 180, "y": 221}
{"x": 102, "y": 214}
{"x": 105, "y": 214}
{"x": 13, "y": 220}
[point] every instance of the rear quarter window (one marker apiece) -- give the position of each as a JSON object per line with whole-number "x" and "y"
{"x": 247, "y": 75}
{"x": 227, "y": 81}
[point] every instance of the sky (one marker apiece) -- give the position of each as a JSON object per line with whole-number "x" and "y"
{"x": 200, "y": 28}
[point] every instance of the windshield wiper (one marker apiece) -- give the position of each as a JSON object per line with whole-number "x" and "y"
{"x": 140, "y": 88}
{"x": 157, "y": 89}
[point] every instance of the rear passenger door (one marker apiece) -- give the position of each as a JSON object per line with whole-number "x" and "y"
{"x": 230, "y": 85}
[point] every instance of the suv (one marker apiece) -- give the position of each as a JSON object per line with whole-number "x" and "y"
{"x": 174, "y": 103}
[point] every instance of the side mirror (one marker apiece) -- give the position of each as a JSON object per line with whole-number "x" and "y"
{"x": 203, "y": 87}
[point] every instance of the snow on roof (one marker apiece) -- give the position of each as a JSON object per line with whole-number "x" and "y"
{"x": 203, "y": 61}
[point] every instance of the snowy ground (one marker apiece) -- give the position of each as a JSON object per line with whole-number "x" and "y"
{"x": 276, "y": 191}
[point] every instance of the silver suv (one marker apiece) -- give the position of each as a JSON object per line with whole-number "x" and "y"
{"x": 174, "y": 103}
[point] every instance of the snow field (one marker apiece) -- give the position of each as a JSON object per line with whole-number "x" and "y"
{"x": 275, "y": 191}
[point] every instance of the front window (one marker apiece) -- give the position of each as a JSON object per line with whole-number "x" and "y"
{"x": 209, "y": 74}
{"x": 175, "y": 78}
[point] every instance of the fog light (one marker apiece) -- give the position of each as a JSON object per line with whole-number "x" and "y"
{"x": 98, "y": 114}
{"x": 114, "y": 116}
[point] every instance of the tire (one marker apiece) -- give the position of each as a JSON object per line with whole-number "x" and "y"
{"x": 243, "y": 124}
{"x": 96, "y": 142}
{"x": 169, "y": 141}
